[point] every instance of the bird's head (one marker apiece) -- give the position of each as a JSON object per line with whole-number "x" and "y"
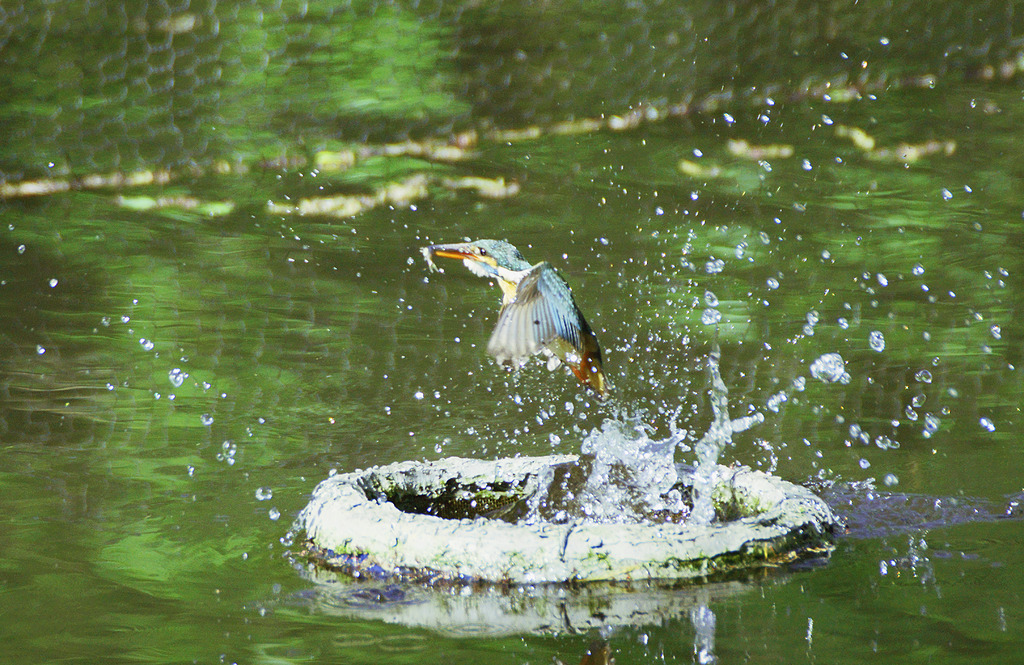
{"x": 486, "y": 258}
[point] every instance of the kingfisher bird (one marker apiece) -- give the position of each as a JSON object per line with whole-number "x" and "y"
{"x": 538, "y": 313}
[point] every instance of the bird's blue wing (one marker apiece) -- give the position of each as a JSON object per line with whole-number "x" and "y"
{"x": 542, "y": 313}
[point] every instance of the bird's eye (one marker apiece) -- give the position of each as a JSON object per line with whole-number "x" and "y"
{"x": 483, "y": 252}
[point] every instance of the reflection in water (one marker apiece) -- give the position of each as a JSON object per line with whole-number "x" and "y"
{"x": 703, "y": 620}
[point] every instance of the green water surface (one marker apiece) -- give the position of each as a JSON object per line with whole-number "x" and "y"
{"x": 175, "y": 380}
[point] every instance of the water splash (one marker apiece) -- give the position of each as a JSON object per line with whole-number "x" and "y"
{"x": 633, "y": 476}
{"x": 625, "y": 476}
{"x": 703, "y": 620}
{"x": 711, "y": 445}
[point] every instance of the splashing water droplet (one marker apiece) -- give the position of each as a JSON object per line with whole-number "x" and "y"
{"x": 987, "y": 424}
{"x": 885, "y": 443}
{"x": 264, "y": 493}
{"x": 828, "y": 367}
{"x": 177, "y": 377}
{"x": 274, "y": 514}
{"x": 146, "y": 344}
{"x": 710, "y": 317}
{"x": 877, "y": 341}
{"x": 923, "y": 376}
{"x": 227, "y": 452}
{"x": 206, "y": 419}
{"x": 40, "y": 349}
{"x": 772, "y": 283}
{"x": 890, "y": 480}
{"x": 864, "y": 464}
{"x": 710, "y": 299}
{"x": 714, "y": 266}
{"x": 775, "y": 402}
{"x": 996, "y": 331}
{"x": 918, "y": 269}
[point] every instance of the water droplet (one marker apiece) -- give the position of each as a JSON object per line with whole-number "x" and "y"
{"x": 21, "y": 249}
{"x": 53, "y": 282}
{"x": 274, "y": 514}
{"x": 775, "y": 402}
{"x": 885, "y": 443}
{"x": 806, "y": 165}
{"x": 710, "y": 316}
{"x": 882, "y": 279}
{"x": 923, "y": 376}
{"x": 987, "y": 424}
{"x": 206, "y": 419}
{"x": 418, "y": 394}
{"x": 772, "y": 283}
{"x": 843, "y": 323}
{"x": 710, "y": 299}
{"x": 890, "y": 480}
{"x": 864, "y": 464}
{"x": 714, "y": 266}
{"x": 877, "y": 341}
{"x": 146, "y": 344}
{"x": 40, "y": 350}
{"x": 191, "y": 470}
{"x": 264, "y": 493}
{"x": 829, "y": 367}
{"x": 918, "y": 269}
{"x": 177, "y": 377}
{"x": 826, "y": 255}
{"x": 996, "y": 331}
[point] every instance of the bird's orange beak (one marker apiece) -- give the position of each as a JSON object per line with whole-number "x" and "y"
{"x": 459, "y": 251}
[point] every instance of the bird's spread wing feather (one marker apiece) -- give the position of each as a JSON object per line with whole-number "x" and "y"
{"x": 542, "y": 312}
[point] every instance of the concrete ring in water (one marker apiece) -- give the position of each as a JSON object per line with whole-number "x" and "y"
{"x": 386, "y": 522}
